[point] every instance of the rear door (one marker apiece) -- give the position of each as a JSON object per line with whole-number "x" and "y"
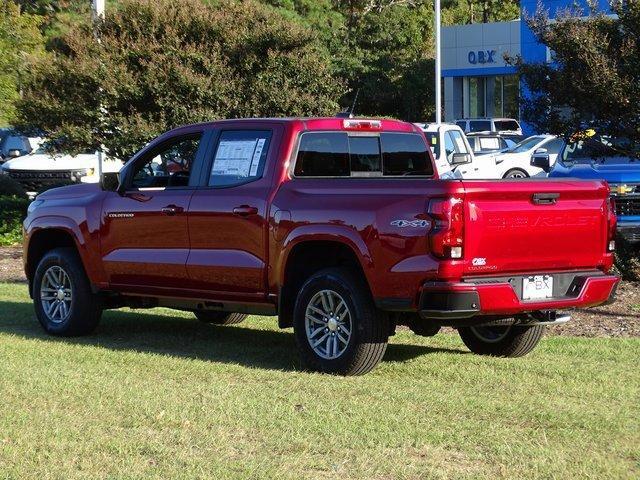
{"x": 534, "y": 226}
{"x": 228, "y": 214}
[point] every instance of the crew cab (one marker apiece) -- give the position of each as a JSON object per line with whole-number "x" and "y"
{"x": 340, "y": 227}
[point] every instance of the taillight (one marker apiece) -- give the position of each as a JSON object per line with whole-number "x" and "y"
{"x": 446, "y": 237}
{"x": 612, "y": 222}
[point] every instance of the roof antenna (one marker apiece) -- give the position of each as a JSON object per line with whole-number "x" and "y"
{"x": 348, "y": 113}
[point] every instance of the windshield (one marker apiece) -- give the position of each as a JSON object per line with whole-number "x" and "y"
{"x": 526, "y": 145}
{"x": 601, "y": 149}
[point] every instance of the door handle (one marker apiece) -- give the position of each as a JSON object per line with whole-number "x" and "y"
{"x": 245, "y": 210}
{"x": 545, "y": 198}
{"x": 172, "y": 210}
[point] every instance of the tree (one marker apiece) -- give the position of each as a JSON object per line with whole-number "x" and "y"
{"x": 479, "y": 11}
{"x": 163, "y": 63}
{"x": 595, "y": 74}
{"x": 20, "y": 40}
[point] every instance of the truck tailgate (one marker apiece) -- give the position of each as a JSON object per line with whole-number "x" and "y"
{"x": 534, "y": 225}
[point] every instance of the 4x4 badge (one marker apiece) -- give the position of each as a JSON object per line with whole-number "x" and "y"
{"x": 411, "y": 223}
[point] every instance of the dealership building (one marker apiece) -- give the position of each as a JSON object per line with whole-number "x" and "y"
{"x": 477, "y": 80}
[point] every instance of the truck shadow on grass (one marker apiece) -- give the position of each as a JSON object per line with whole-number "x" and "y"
{"x": 182, "y": 337}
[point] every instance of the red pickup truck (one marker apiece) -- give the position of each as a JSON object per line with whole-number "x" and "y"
{"x": 340, "y": 227}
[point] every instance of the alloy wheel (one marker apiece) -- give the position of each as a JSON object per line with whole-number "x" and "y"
{"x": 328, "y": 324}
{"x": 56, "y": 294}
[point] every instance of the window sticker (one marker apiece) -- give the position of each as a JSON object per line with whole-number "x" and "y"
{"x": 235, "y": 158}
{"x": 255, "y": 161}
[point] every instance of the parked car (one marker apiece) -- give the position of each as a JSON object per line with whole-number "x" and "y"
{"x": 486, "y": 143}
{"x": 340, "y": 227}
{"x": 40, "y": 170}
{"x": 592, "y": 156}
{"x": 456, "y": 151}
{"x": 516, "y": 161}
{"x": 13, "y": 146}
{"x": 505, "y": 126}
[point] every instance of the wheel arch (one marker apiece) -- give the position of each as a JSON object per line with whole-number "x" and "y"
{"x": 42, "y": 238}
{"x": 516, "y": 169}
{"x": 309, "y": 254}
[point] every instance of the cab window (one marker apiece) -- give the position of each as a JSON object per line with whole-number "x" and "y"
{"x": 240, "y": 157}
{"x": 169, "y": 166}
{"x": 454, "y": 143}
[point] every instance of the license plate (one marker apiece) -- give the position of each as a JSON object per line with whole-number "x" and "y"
{"x": 537, "y": 287}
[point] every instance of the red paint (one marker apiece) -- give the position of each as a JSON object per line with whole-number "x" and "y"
{"x": 233, "y": 244}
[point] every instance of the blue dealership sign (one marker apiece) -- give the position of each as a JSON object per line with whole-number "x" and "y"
{"x": 481, "y": 56}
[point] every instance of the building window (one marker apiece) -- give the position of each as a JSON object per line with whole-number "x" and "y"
{"x": 477, "y": 97}
{"x": 511, "y": 96}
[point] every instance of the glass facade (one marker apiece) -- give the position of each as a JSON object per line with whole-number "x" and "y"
{"x": 493, "y": 96}
{"x": 477, "y": 94}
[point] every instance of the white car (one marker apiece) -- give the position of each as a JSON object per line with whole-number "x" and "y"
{"x": 40, "y": 170}
{"x": 516, "y": 161}
{"x": 457, "y": 152}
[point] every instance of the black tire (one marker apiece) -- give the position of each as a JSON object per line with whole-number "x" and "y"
{"x": 220, "y": 318}
{"x": 84, "y": 308}
{"x": 507, "y": 341}
{"x": 516, "y": 173}
{"x": 367, "y": 342}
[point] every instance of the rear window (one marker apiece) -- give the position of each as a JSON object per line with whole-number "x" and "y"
{"x": 405, "y": 154}
{"x": 480, "y": 126}
{"x": 323, "y": 155}
{"x": 506, "y": 125}
{"x": 333, "y": 154}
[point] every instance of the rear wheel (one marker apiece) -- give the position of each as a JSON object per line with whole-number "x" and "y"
{"x": 220, "y": 318}
{"x": 516, "y": 173}
{"x": 501, "y": 340}
{"x": 337, "y": 326}
{"x": 62, "y": 296}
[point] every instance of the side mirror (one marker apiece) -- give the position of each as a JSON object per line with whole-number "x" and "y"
{"x": 540, "y": 151}
{"x": 460, "y": 158}
{"x": 541, "y": 160}
{"x": 110, "y": 182}
{"x": 14, "y": 153}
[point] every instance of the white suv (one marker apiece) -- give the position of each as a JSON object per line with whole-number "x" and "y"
{"x": 504, "y": 126}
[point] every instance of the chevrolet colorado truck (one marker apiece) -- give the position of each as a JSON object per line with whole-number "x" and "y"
{"x": 340, "y": 227}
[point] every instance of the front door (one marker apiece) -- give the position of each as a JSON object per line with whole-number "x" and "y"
{"x": 228, "y": 216}
{"x": 145, "y": 239}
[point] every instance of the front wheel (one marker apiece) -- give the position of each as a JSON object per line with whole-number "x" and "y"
{"x": 501, "y": 340}
{"x": 337, "y": 326}
{"x": 516, "y": 173}
{"x": 62, "y": 296}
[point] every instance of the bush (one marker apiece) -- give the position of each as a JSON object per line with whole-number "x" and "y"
{"x": 165, "y": 63}
{"x": 628, "y": 260}
{"x": 13, "y": 210}
{"x": 10, "y": 188}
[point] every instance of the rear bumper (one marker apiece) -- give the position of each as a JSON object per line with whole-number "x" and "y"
{"x": 450, "y": 301}
{"x": 630, "y": 231}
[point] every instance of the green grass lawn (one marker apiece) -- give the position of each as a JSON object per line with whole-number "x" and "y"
{"x": 156, "y": 394}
